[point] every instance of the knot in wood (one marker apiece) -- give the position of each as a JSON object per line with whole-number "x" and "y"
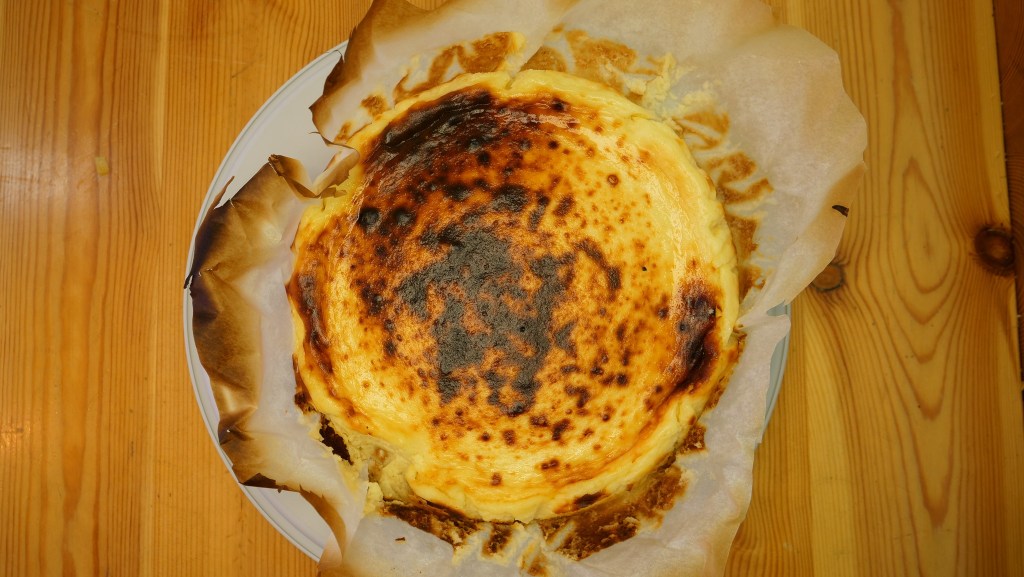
{"x": 829, "y": 279}
{"x": 995, "y": 250}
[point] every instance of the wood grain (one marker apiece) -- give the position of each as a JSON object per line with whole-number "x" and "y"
{"x": 897, "y": 439}
{"x": 897, "y": 447}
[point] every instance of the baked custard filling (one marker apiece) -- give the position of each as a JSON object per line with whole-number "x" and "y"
{"x": 519, "y": 301}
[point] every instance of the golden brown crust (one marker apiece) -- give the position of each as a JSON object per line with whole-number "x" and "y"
{"x": 615, "y": 520}
{"x": 504, "y": 294}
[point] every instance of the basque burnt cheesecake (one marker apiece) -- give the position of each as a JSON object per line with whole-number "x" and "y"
{"x": 507, "y": 313}
{"x": 519, "y": 301}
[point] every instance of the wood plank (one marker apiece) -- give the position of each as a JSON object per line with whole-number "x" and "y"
{"x": 903, "y": 382}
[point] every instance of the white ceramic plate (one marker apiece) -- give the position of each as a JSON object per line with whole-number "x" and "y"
{"x": 284, "y": 125}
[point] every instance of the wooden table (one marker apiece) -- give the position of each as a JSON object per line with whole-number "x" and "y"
{"x": 897, "y": 447}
